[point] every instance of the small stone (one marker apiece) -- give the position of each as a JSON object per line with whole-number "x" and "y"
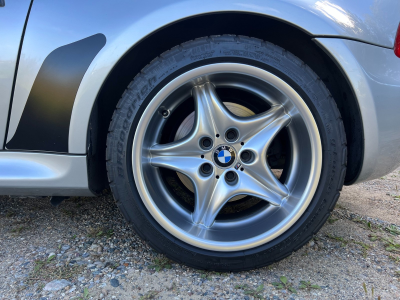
{"x": 51, "y": 254}
{"x": 311, "y": 244}
{"x": 56, "y": 285}
{"x": 93, "y": 247}
{"x": 65, "y": 247}
{"x": 114, "y": 282}
{"x": 99, "y": 264}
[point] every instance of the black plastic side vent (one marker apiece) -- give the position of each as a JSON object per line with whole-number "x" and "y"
{"x": 44, "y": 124}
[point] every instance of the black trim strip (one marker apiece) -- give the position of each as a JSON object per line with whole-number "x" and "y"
{"x": 44, "y": 124}
{"x": 15, "y": 74}
{"x": 349, "y": 39}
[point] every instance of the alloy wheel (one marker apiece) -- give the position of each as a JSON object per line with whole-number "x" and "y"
{"x": 222, "y": 156}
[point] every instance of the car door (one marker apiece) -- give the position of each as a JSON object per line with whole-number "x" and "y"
{"x": 13, "y": 17}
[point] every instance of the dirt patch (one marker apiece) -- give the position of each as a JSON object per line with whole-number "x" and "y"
{"x": 87, "y": 242}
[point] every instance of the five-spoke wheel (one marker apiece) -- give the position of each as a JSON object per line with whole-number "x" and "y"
{"x": 225, "y": 156}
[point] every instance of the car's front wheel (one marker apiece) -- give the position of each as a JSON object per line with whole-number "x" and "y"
{"x": 226, "y": 153}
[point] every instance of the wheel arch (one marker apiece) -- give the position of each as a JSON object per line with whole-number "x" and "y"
{"x": 282, "y": 34}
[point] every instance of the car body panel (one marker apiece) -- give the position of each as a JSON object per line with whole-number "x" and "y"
{"x": 12, "y": 20}
{"x": 56, "y": 24}
{"x": 376, "y": 84}
{"x": 371, "y": 21}
{"x": 43, "y": 174}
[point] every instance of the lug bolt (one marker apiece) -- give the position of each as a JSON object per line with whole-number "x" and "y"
{"x": 231, "y": 135}
{"x": 206, "y": 169}
{"x": 246, "y": 156}
{"x": 231, "y": 177}
{"x": 206, "y": 143}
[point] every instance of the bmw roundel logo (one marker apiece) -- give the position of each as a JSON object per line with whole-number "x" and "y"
{"x": 224, "y": 156}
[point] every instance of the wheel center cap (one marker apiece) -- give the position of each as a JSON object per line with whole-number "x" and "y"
{"x": 224, "y": 156}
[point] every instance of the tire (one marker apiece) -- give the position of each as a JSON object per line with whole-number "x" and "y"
{"x": 124, "y": 133}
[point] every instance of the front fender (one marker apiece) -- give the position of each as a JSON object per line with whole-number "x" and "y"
{"x": 374, "y": 74}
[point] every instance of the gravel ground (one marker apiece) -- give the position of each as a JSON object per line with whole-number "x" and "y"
{"x": 83, "y": 249}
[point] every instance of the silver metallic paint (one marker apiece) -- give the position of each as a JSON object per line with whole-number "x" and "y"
{"x": 56, "y": 23}
{"x": 374, "y": 74}
{"x": 41, "y": 174}
{"x": 12, "y": 19}
{"x": 373, "y": 21}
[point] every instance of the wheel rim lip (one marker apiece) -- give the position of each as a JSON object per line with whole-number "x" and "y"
{"x": 201, "y": 72}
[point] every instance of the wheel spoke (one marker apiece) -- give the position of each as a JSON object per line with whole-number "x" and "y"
{"x": 206, "y": 96}
{"x": 258, "y": 144}
{"x": 202, "y": 127}
{"x": 188, "y": 146}
{"x": 250, "y": 186}
{"x": 222, "y": 119}
{"x": 207, "y": 201}
{"x": 203, "y": 117}
{"x": 207, "y": 191}
{"x": 263, "y": 174}
{"x": 211, "y": 199}
{"x": 184, "y": 164}
{"x": 274, "y": 119}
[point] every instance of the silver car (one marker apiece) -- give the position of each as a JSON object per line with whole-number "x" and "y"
{"x": 224, "y": 129}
